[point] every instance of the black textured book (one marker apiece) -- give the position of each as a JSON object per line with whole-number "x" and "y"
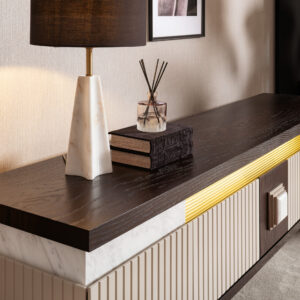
{"x": 151, "y": 150}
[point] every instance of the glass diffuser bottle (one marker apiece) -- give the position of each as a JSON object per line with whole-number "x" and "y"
{"x": 152, "y": 114}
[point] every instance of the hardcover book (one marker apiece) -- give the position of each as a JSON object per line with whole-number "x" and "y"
{"x": 151, "y": 150}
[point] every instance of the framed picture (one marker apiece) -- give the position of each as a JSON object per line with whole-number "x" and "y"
{"x": 176, "y": 19}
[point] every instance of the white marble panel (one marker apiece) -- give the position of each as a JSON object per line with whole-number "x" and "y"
{"x": 102, "y": 260}
{"x": 49, "y": 256}
{"x": 86, "y": 267}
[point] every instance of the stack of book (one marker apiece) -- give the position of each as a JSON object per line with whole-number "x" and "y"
{"x": 151, "y": 150}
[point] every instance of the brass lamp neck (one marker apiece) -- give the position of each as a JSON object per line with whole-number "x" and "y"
{"x": 89, "y": 61}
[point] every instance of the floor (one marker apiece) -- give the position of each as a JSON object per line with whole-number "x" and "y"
{"x": 279, "y": 279}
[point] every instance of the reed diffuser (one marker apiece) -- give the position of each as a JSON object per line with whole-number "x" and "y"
{"x": 152, "y": 114}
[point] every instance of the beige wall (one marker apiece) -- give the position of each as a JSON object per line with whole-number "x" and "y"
{"x": 37, "y": 84}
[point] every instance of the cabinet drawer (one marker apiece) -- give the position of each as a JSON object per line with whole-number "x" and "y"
{"x": 267, "y": 183}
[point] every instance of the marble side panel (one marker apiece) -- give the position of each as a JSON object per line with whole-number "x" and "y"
{"x": 104, "y": 259}
{"x": 86, "y": 267}
{"x": 49, "y": 256}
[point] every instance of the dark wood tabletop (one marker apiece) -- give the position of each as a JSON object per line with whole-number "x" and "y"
{"x": 41, "y": 200}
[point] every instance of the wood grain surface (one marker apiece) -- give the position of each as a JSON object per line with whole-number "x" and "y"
{"x": 41, "y": 200}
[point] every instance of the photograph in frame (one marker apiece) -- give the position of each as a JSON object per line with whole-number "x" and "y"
{"x": 176, "y": 19}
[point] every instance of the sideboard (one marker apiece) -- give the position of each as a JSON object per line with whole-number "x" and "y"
{"x": 195, "y": 229}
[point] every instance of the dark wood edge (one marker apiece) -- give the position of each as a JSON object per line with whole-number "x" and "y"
{"x": 179, "y": 37}
{"x": 263, "y": 260}
{"x": 46, "y": 228}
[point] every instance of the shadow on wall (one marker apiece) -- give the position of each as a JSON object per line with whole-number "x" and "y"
{"x": 223, "y": 49}
{"x": 246, "y": 53}
{"x": 218, "y": 29}
{"x": 259, "y": 63}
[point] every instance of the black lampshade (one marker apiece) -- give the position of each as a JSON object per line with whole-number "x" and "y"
{"x": 88, "y": 23}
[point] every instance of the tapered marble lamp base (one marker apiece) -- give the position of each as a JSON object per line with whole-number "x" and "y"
{"x": 89, "y": 151}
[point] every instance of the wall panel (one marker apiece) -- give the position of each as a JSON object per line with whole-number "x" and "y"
{"x": 200, "y": 260}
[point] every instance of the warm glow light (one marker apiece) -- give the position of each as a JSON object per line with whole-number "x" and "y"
{"x": 35, "y": 112}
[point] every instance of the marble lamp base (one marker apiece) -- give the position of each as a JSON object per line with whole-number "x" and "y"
{"x": 89, "y": 150}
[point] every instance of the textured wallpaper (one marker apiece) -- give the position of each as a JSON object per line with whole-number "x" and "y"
{"x": 37, "y": 84}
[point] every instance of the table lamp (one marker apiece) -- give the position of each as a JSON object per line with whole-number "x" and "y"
{"x": 88, "y": 24}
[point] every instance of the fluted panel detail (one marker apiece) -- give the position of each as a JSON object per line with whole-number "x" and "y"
{"x": 21, "y": 282}
{"x": 294, "y": 189}
{"x": 200, "y": 260}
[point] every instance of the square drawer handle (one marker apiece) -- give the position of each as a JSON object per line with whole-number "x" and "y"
{"x": 277, "y": 206}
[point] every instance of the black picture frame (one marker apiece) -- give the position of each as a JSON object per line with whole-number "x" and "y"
{"x": 167, "y": 38}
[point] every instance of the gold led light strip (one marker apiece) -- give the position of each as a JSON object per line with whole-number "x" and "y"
{"x": 222, "y": 189}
